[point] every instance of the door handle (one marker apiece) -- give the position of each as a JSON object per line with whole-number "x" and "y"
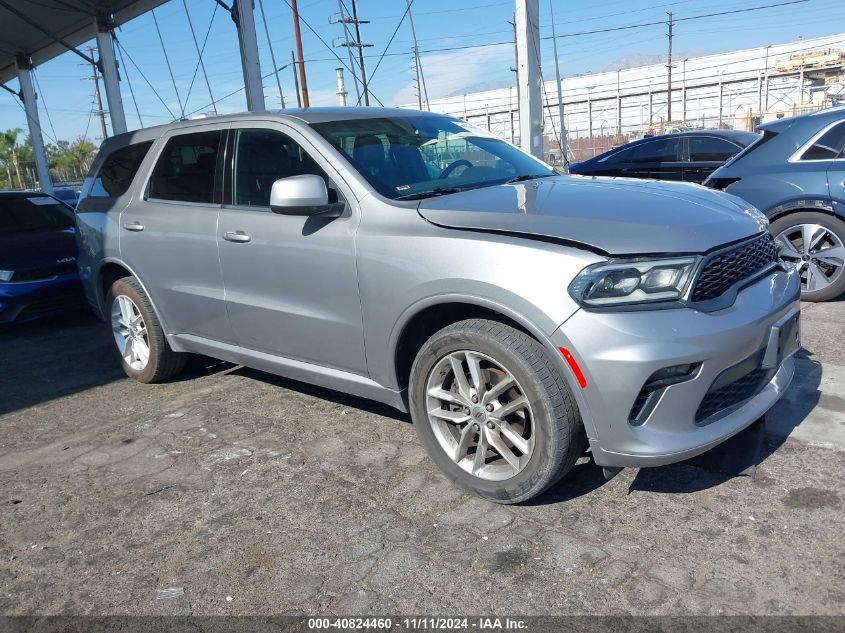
{"x": 133, "y": 226}
{"x": 236, "y": 236}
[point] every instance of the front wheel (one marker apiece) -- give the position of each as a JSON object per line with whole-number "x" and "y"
{"x": 138, "y": 335}
{"x": 493, "y": 411}
{"x": 815, "y": 244}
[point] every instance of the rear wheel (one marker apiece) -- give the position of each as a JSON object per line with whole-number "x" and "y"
{"x": 138, "y": 336}
{"x": 493, "y": 411}
{"x": 815, "y": 244}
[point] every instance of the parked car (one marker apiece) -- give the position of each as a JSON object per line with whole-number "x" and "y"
{"x": 795, "y": 174}
{"x": 69, "y": 196}
{"x": 518, "y": 315}
{"x": 687, "y": 156}
{"x": 38, "y": 275}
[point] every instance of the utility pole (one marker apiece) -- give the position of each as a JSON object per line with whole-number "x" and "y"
{"x": 295, "y": 79}
{"x": 563, "y": 140}
{"x": 347, "y": 43}
{"x": 528, "y": 76}
{"x": 301, "y": 62}
{"x": 420, "y": 76}
{"x": 360, "y": 46}
{"x": 101, "y": 114}
{"x": 669, "y": 73}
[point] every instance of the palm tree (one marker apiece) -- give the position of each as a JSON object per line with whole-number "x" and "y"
{"x": 10, "y": 153}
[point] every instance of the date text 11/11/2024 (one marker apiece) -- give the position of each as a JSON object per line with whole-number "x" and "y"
{"x": 481, "y": 624}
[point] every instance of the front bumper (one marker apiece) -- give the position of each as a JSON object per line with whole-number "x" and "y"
{"x": 619, "y": 351}
{"x": 30, "y": 300}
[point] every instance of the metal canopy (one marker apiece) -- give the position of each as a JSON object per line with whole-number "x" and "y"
{"x": 71, "y": 21}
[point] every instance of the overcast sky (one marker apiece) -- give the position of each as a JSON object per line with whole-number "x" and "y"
{"x": 441, "y": 24}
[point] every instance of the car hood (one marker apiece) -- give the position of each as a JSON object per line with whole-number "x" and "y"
{"x": 616, "y": 216}
{"x": 27, "y": 251}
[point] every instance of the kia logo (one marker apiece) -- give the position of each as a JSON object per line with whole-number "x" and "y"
{"x": 66, "y": 260}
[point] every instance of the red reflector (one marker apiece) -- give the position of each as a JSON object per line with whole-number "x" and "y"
{"x": 573, "y": 365}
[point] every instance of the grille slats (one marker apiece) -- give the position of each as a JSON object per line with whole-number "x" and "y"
{"x": 35, "y": 274}
{"x": 726, "y": 268}
{"x": 732, "y": 394}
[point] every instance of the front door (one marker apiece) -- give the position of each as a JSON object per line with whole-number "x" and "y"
{"x": 169, "y": 235}
{"x": 704, "y": 155}
{"x": 291, "y": 282}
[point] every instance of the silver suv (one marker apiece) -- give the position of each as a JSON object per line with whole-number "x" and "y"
{"x": 520, "y": 316}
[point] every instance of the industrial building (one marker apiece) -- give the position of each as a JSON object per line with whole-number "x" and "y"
{"x": 735, "y": 90}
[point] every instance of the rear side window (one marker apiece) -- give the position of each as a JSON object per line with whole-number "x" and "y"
{"x": 118, "y": 170}
{"x": 659, "y": 151}
{"x": 709, "y": 148}
{"x": 185, "y": 170}
{"x": 829, "y": 146}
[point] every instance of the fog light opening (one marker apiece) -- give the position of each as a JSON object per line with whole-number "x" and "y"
{"x": 649, "y": 395}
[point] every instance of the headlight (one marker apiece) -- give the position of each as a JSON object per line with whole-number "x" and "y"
{"x": 6, "y": 275}
{"x": 760, "y": 218}
{"x": 634, "y": 281}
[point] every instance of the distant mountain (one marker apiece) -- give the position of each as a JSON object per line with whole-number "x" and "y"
{"x": 635, "y": 60}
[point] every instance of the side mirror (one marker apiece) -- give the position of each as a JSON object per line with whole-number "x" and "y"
{"x": 302, "y": 195}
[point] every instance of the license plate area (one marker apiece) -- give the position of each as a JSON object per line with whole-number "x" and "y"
{"x": 784, "y": 341}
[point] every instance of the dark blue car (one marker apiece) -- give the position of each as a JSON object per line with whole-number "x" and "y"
{"x": 795, "y": 174}
{"x": 38, "y": 275}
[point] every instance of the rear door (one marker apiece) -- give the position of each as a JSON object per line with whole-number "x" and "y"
{"x": 659, "y": 159}
{"x": 704, "y": 154}
{"x": 169, "y": 233}
{"x": 291, "y": 281}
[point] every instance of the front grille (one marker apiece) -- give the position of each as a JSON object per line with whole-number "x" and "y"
{"x": 732, "y": 394}
{"x": 725, "y": 268}
{"x": 47, "y": 272}
{"x": 52, "y": 304}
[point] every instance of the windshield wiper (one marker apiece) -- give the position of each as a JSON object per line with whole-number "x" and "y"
{"x": 430, "y": 193}
{"x": 524, "y": 177}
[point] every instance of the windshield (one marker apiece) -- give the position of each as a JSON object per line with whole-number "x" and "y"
{"x": 419, "y": 156}
{"x": 19, "y": 214}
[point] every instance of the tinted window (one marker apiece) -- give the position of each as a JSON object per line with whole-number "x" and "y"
{"x": 261, "y": 158}
{"x": 19, "y": 214}
{"x": 830, "y": 145}
{"x": 710, "y": 148}
{"x": 118, "y": 170}
{"x": 185, "y": 170}
{"x": 421, "y": 155}
{"x": 659, "y": 151}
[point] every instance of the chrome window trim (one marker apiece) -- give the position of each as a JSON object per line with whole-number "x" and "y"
{"x": 796, "y": 156}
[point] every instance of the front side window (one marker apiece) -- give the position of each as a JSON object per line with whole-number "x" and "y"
{"x": 663, "y": 150}
{"x": 419, "y": 156}
{"x": 830, "y": 145}
{"x": 710, "y": 148}
{"x": 32, "y": 214}
{"x": 185, "y": 170}
{"x": 261, "y": 158}
{"x": 118, "y": 170}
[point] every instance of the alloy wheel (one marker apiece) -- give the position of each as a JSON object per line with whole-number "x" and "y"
{"x": 480, "y": 415}
{"x": 816, "y": 252}
{"x": 130, "y": 332}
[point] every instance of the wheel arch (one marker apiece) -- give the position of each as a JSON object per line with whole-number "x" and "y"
{"x": 110, "y": 271}
{"x": 813, "y": 205}
{"x": 419, "y": 322}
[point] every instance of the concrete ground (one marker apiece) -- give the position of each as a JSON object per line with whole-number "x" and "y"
{"x": 230, "y": 491}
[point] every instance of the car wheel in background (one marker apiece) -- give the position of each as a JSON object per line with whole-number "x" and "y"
{"x": 138, "y": 336}
{"x": 493, "y": 411}
{"x": 815, "y": 244}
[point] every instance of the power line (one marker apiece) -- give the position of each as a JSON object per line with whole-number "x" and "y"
{"x": 390, "y": 41}
{"x": 129, "y": 82}
{"x": 272, "y": 54}
{"x": 167, "y": 61}
{"x": 144, "y": 77}
{"x": 200, "y": 63}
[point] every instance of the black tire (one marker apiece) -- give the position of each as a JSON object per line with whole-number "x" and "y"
{"x": 558, "y": 431}
{"x": 832, "y": 224}
{"x": 163, "y": 362}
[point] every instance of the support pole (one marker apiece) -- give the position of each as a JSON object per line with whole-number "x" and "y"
{"x": 295, "y": 80}
{"x": 528, "y": 76}
{"x": 669, "y": 73}
{"x": 24, "y": 66}
{"x": 564, "y": 153}
{"x": 111, "y": 79}
{"x": 243, "y": 14}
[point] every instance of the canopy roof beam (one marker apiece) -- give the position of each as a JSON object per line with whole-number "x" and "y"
{"x": 37, "y": 26}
